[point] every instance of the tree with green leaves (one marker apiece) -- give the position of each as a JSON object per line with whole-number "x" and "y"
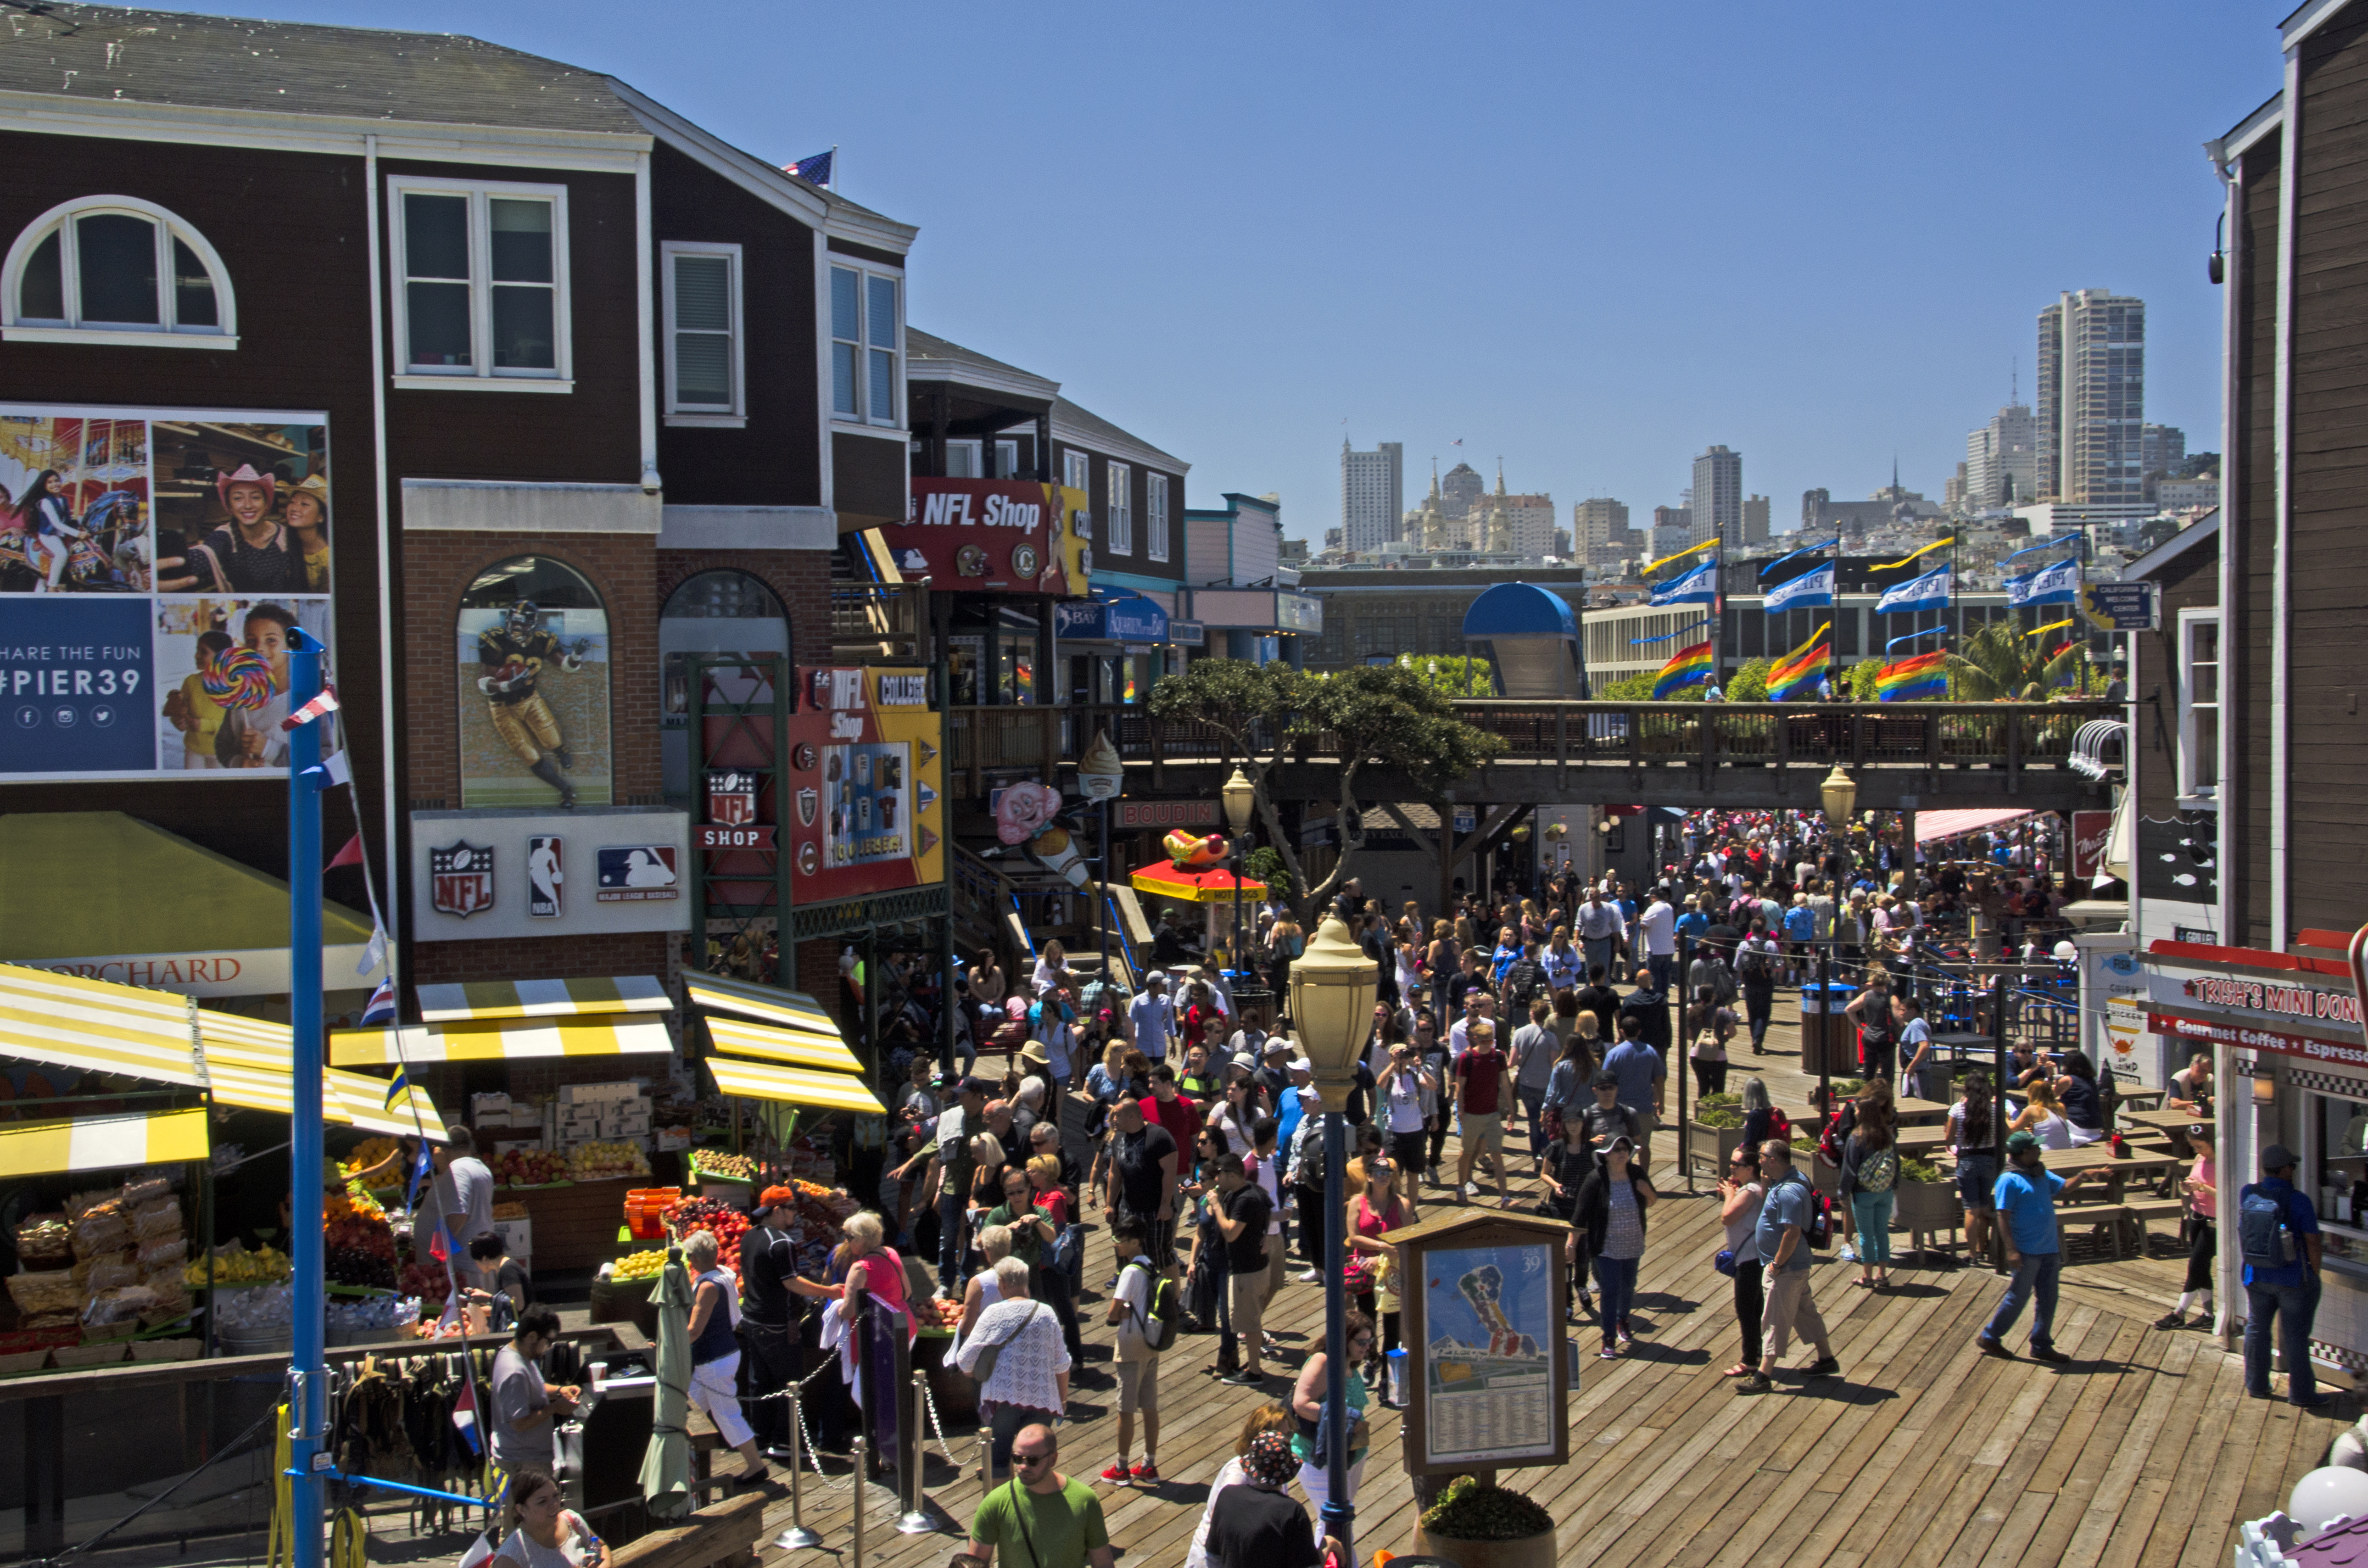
{"x": 1453, "y": 673}
{"x": 1381, "y": 717}
{"x": 2002, "y": 663}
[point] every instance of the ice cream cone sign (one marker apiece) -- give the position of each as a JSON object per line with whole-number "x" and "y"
{"x": 1192, "y": 853}
{"x": 1101, "y": 775}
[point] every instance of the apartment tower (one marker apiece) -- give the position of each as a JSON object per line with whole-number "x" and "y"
{"x": 1373, "y": 495}
{"x": 2091, "y": 413}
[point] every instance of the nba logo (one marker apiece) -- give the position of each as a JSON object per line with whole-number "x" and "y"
{"x": 544, "y": 876}
{"x": 731, "y": 799}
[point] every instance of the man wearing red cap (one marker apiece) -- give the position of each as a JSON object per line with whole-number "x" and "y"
{"x": 768, "y": 1318}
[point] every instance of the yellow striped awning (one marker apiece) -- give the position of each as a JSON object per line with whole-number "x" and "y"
{"x": 796, "y": 1047}
{"x": 103, "y": 1142}
{"x": 766, "y": 1004}
{"x": 793, "y": 1085}
{"x": 249, "y": 1062}
{"x": 493, "y": 1040}
{"x": 98, "y": 1026}
{"x": 480, "y": 999}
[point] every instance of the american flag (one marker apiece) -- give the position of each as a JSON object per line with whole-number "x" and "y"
{"x": 815, "y": 170}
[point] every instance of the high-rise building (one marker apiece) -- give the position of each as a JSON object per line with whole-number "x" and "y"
{"x": 1599, "y": 532}
{"x": 2002, "y": 460}
{"x": 1717, "y": 498}
{"x": 2161, "y": 448}
{"x": 1373, "y": 494}
{"x": 1461, "y": 486}
{"x": 2091, "y": 401}
{"x": 1755, "y": 520}
{"x": 1673, "y": 530}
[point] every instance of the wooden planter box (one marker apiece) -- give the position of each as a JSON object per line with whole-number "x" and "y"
{"x": 1711, "y": 1146}
{"x": 1926, "y": 1206}
{"x": 1531, "y": 1551}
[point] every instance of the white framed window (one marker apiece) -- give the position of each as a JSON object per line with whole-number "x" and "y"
{"x": 481, "y": 295}
{"x": 2199, "y": 707}
{"x": 1154, "y": 516}
{"x": 1117, "y": 537}
{"x": 1077, "y": 471}
{"x": 703, "y": 331}
{"x": 866, "y": 347}
{"x": 119, "y": 270}
{"x": 963, "y": 460}
{"x": 1006, "y": 460}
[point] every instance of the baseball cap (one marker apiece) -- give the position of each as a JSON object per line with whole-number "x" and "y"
{"x": 2276, "y": 1157}
{"x": 2019, "y": 1141}
{"x": 1300, "y": 1064}
{"x": 774, "y": 1197}
{"x": 972, "y": 1087}
{"x": 1606, "y": 1080}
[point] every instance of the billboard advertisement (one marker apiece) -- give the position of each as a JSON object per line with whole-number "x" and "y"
{"x": 152, "y": 563}
{"x": 866, "y": 784}
{"x": 1012, "y": 536}
{"x": 532, "y": 644}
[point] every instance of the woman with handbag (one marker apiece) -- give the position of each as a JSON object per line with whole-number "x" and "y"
{"x": 1741, "y": 1194}
{"x": 1018, "y": 1356}
{"x": 1308, "y": 1396}
{"x": 1610, "y": 1216}
{"x": 1374, "y": 1212}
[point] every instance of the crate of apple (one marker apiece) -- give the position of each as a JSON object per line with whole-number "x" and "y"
{"x": 727, "y": 1224}
{"x": 529, "y": 1168}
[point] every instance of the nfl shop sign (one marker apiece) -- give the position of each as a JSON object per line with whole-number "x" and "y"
{"x": 865, "y": 786}
{"x": 493, "y": 874}
{"x": 753, "y": 835}
{"x": 1012, "y": 535}
{"x": 732, "y": 798}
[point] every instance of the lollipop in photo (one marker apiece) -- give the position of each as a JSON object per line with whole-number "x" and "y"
{"x": 239, "y": 678}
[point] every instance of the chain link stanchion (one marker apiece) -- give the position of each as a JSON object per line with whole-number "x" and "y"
{"x": 920, "y": 1515}
{"x": 855, "y": 1495}
{"x": 797, "y": 1538}
{"x": 937, "y": 1426}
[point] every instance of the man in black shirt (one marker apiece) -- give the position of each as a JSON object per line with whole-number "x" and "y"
{"x": 1142, "y": 1179}
{"x": 1598, "y": 996}
{"x": 1257, "y": 1522}
{"x": 768, "y": 1318}
{"x": 1243, "y": 1209}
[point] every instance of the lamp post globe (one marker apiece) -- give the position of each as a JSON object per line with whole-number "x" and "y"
{"x": 1332, "y": 989}
{"x": 1239, "y": 795}
{"x": 1837, "y": 793}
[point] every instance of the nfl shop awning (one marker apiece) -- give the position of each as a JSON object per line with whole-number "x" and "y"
{"x": 110, "y": 897}
{"x": 494, "y": 1039}
{"x": 542, "y": 998}
{"x": 1215, "y": 885}
{"x": 103, "y": 1142}
{"x": 97, "y": 1026}
{"x": 792, "y": 1085}
{"x": 249, "y": 1061}
{"x": 797, "y": 1048}
{"x": 1933, "y": 825}
{"x": 766, "y": 1004}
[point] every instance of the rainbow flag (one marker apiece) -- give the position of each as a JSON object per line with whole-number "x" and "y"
{"x": 1798, "y": 674}
{"x": 1926, "y": 675}
{"x": 1687, "y": 667}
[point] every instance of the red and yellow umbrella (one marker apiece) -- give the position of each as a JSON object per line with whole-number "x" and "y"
{"x": 1210, "y": 884}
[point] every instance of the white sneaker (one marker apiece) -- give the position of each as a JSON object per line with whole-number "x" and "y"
{"x": 1312, "y": 1277}
{"x": 1847, "y": 1254}
{"x": 1471, "y": 1189}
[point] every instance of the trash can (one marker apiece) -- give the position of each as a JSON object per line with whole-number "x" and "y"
{"x": 1829, "y": 1037}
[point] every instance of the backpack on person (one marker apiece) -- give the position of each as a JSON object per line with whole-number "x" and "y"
{"x": 2265, "y": 1230}
{"x": 1160, "y": 1323}
{"x": 1780, "y": 1126}
{"x": 1817, "y": 1220}
{"x": 1878, "y": 1171}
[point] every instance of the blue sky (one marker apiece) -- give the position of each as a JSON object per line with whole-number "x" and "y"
{"x": 1592, "y": 238}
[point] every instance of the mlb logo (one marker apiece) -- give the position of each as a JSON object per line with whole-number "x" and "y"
{"x": 636, "y": 873}
{"x": 544, "y": 873}
{"x": 461, "y": 878}
{"x": 731, "y": 799}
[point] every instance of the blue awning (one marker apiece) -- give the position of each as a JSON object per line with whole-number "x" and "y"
{"x": 1520, "y": 609}
{"x": 1112, "y": 619}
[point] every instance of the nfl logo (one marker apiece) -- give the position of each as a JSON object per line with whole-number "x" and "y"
{"x": 731, "y": 799}
{"x": 462, "y": 879}
{"x": 809, "y": 806}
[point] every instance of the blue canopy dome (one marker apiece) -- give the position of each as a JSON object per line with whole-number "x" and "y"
{"x": 1520, "y": 609}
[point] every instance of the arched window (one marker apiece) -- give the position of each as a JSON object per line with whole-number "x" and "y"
{"x": 115, "y": 269}
{"x": 533, "y": 647}
{"x": 712, "y": 613}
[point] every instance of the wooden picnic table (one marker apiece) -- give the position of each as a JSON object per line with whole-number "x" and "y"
{"x": 2142, "y": 1160}
{"x": 2171, "y": 1124}
{"x": 1908, "y": 1111}
{"x": 2140, "y": 1099}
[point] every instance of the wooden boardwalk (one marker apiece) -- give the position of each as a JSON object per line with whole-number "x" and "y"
{"x": 2142, "y": 1453}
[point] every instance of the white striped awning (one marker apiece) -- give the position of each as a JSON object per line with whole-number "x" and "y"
{"x": 797, "y": 1048}
{"x": 793, "y": 1085}
{"x": 493, "y": 1040}
{"x": 98, "y": 1026}
{"x": 480, "y": 999}
{"x": 766, "y": 1004}
{"x": 103, "y": 1142}
{"x": 250, "y": 1063}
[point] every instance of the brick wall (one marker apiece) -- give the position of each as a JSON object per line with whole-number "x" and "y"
{"x": 437, "y": 567}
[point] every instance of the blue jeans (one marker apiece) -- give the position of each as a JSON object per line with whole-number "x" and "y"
{"x": 2034, "y": 1277}
{"x": 1616, "y": 1277}
{"x": 950, "y": 1209}
{"x": 2292, "y": 1307}
{"x": 1660, "y": 964}
{"x": 1872, "y": 1212}
{"x": 1533, "y": 1106}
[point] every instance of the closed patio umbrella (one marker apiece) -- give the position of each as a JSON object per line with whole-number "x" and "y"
{"x": 666, "y": 1464}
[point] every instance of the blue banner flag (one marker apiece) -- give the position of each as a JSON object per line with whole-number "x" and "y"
{"x": 1929, "y": 592}
{"x": 2058, "y": 583}
{"x": 1806, "y": 550}
{"x": 1663, "y": 637}
{"x": 1813, "y": 589}
{"x": 1699, "y": 586}
{"x": 1912, "y": 636}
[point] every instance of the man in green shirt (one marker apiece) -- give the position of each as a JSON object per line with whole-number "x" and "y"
{"x": 1044, "y": 1518}
{"x": 1031, "y": 1228}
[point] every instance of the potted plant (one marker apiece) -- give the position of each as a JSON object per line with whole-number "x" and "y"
{"x": 1477, "y": 1525}
{"x": 1714, "y": 1131}
{"x": 1926, "y": 1199}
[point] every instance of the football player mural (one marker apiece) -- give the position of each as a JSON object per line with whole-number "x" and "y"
{"x": 534, "y": 643}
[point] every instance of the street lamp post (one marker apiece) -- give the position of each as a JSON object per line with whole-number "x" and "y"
{"x": 1239, "y": 796}
{"x": 1837, "y": 793}
{"x": 1332, "y": 988}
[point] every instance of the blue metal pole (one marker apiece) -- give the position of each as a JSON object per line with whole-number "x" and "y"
{"x": 308, "y": 1420}
{"x": 1339, "y": 1513}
